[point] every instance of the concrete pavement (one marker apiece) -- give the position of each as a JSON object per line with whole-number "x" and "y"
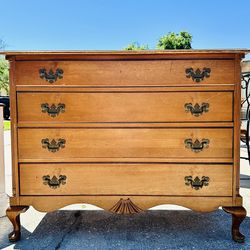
{"x": 181, "y": 229}
{"x": 82, "y": 227}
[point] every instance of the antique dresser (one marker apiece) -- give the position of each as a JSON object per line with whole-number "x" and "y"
{"x": 126, "y": 131}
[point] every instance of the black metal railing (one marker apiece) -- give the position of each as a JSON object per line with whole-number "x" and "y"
{"x": 245, "y": 112}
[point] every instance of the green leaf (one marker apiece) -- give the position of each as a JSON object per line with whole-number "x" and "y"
{"x": 173, "y": 40}
{"x": 4, "y": 76}
{"x": 136, "y": 46}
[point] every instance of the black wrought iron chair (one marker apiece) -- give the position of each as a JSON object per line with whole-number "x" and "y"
{"x": 245, "y": 113}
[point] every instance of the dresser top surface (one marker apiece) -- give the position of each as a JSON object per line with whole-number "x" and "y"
{"x": 114, "y": 52}
{"x": 122, "y": 54}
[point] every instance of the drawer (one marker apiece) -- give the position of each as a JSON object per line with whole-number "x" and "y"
{"x": 126, "y": 179}
{"x": 63, "y": 144}
{"x": 122, "y": 72}
{"x": 125, "y": 107}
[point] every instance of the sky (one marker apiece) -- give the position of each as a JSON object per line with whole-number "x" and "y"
{"x": 113, "y": 24}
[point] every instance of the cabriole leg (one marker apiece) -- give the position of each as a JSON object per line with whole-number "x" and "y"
{"x": 238, "y": 215}
{"x": 13, "y": 213}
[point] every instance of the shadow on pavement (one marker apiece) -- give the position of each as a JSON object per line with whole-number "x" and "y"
{"x": 155, "y": 229}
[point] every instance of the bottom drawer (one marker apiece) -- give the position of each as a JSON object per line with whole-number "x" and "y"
{"x": 126, "y": 179}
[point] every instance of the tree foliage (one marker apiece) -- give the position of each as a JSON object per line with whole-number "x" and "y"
{"x": 173, "y": 40}
{"x": 4, "y": 71}
{"x": 4, "y": 76}
{"x": 136, "y": 46}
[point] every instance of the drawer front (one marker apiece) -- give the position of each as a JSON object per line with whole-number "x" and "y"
{"x": 126, "y": 179}
{"x": 188, "y": 143}
{"x": 125, "y": 107}
{"x": 137, "y": 72}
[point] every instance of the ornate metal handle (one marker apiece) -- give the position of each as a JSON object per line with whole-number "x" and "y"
{"x": 54, "y": 182}
{"x": 197, "y": 183}
{"x": 197, "y": 146}
{"x": 51, "y": 77}
{"x": 53, "y": 145}
{"x": 53, "y": 110}
{"x": 197, "y": 109}
{"x": 198, "y": 75}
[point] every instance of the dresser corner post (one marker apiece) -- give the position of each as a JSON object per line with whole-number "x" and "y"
{"x": 13, "y": 213}
{"x": 238, "y": 215}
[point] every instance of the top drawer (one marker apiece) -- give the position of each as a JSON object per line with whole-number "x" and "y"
{"x": 126, "y": 73}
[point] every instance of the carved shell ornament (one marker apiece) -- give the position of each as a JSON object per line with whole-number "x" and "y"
{"x": 125, "y": 207}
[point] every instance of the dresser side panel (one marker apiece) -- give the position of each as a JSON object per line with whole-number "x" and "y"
{"x": 237, "y": 124}
{"x": 13, "y": 115}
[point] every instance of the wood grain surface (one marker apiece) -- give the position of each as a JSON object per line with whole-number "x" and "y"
{"x": 125, "y": 107}
{"x": 118, "y": 143}
{"x": 126, "y": 179}
{"x": 125, "y": 73}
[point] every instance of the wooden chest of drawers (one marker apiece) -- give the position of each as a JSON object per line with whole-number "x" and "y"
{"x": 126, "y": 131}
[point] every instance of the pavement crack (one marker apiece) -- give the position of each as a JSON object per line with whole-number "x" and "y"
{"x": 76, "y": 215}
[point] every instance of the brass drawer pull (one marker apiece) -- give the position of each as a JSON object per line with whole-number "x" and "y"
{"x": 53, "y": 145}
{"x": 54, "y": 182}
{"x": 51, "y": 77}
{"x": 53, "y": 110}
{"x": 198, "y": 75}
{"x": 197, "y": 109}
{"x": 197, "y": 146}
{"x": 197, "y": 183}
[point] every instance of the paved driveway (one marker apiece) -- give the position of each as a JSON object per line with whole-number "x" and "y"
{"x": 181, "y": 229}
